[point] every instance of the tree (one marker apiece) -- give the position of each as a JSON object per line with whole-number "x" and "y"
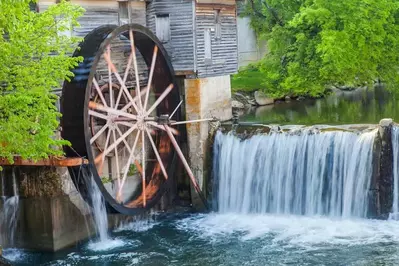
{"x": 315, "y": 44}
{"x": 35, "y": 58}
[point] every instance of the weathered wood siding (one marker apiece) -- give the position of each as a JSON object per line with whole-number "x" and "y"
{"x": 103, "y": 12}
{"x": 180, "y": 47}
{"x": 95, "y": 17}
{"x": 224, "y": 51}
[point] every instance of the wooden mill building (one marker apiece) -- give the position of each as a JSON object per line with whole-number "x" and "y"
{"x": 199, "y": 35}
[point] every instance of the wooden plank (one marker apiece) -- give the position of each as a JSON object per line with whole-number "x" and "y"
{"x": 220, "y": 2}
{"x": 184, "y": 73}
{"x": 51, "y": 161}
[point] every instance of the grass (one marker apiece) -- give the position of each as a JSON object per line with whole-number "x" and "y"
{"x": 248, "y": 79}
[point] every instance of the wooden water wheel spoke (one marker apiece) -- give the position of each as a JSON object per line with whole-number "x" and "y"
{"x": 177, "y": 108}
{"x": 98, "y": 134}
{"x": 135, "y": 99}
{"x": 98, "y": 115}
{"x": 160, "y": 127}
{"x": 102, "y": 155}
{"x": 116, "y": 159}
{"x": 129, "y": 161}
{"x": 150, "y": 77}
{"x": 128, "y": 66}
{"x": 184, "y": 161}
{"x": 99, "y": 92}
{"x": 136, "y": 71}
{"x": 118, "y": 77}
{"x": 160, "y": 99}
{"x": 119, "y": 140}
{"x": 111, "y": 91}
{"x": 154, "y": 147}
{"x": 124, "y": 140}
{"x": 125, "y": 123}
{"x": 99, "y": 107}
{"x": 143, "y": 167}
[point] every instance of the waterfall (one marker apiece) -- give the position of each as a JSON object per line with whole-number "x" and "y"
{"x": 9, "y": 214}
{"x": 302, "y": 172}
{"x": 395, "y": 147}
{"x": 99, "y": 211}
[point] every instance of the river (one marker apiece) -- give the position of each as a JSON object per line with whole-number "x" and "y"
{"x": 264, "y": 217}
{"x": 238, "y": 239}
{"x": 362, "y": 106}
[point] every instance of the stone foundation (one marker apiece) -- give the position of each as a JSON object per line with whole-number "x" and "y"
{"x": 205, "y": 98}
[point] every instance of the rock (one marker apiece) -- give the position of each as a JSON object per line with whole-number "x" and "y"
{"x": 252, "y": 102}
{"x": 237, "y": 105}
{"x": 262, "y": 99}
{"x": 300, "y": 98}
{"x": 287, "y": 98}
{"x": 386, "y": 122}
{"x": 240, "y": 98}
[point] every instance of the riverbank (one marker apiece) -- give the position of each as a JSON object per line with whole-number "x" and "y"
{"x": 360, "y": 106}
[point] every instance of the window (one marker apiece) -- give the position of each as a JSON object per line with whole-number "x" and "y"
{"x": 123, "y": 12}
{"x": 162, "y": 25}
{"x": 34, "y": 7}
{"x": 218, "y": 24}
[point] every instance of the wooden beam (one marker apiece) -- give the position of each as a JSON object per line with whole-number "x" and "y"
{"x": 184, "y": 72}
{"x": 51, "y": 161}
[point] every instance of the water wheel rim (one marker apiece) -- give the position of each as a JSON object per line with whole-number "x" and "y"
{"x": 167, "y": 69}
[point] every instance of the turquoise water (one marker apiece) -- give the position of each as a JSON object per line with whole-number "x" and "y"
{"x": 236, "y": 239}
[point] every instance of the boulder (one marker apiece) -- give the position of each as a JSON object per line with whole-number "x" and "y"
{"x": 240, "y": 98}
{"x": 301, "y": 98}
{"x": 287, "y": 98}
{"x": 237, "y": 105}
{"x": 262, "y": 99}
{"x": 244, "y": 99}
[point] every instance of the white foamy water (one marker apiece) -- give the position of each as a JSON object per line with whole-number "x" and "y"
{"x": 9, "y": 214}
{"x": 140, "y": 225}
{"x": 99, "y": 211}
{"x": 14, "y": 255}
{"x": 104, "y": 241}
{"x": 304, "y": 172}
{"x": 106, "y": 245}
{"x": 292, "y": 231}
{"x": 395, "y": 147}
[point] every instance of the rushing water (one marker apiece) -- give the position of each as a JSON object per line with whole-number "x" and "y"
{"x": 99, "y": 211}
{"x": 395, "y": 147}
{"x": 9, "y": 213}
{"x": 302, "y": 172}
{"x": 104, "y": 241}
{"x": 238, "y": 239}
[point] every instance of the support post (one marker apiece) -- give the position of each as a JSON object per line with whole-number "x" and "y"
{"x": 205, "y": 98}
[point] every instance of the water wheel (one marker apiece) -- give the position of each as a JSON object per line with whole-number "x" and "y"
{"x": 120, "y": 111}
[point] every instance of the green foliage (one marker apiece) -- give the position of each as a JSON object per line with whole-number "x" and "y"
{"x": 248, "y": 79}
{"x": 132, "y": 170}
{"x": 35, "y": 58}
{"x": 106, "y": 180}
{"x": 314, "y": 44}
